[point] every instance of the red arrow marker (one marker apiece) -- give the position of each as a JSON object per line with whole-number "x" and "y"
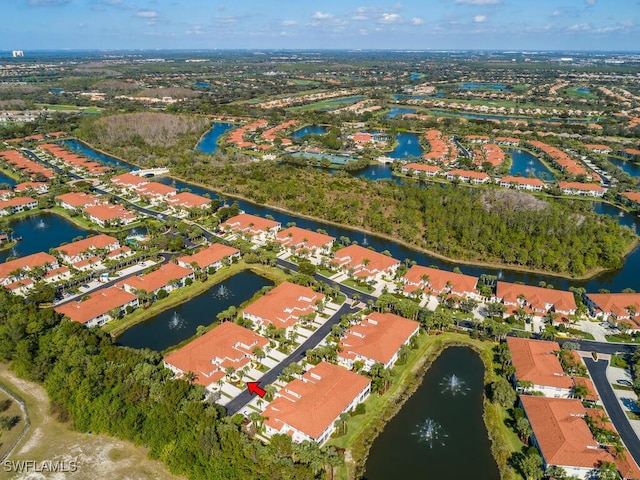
{"x": 254, "y": 387}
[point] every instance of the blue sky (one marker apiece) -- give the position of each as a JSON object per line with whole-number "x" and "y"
{"x": 410, "y": 24}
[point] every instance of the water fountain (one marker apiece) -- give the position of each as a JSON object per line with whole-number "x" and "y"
{"x": 365, "y": 241}
{"x": 222, "y": 292}
{"x": 430, "y": 431}
{"x": 453, "y": 384}
{"x": 176, "y": 321}
{"x": 41, "y": 225}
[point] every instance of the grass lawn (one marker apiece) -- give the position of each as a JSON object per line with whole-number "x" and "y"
{"x": 617, "y": 386}
{"x": 619, "y": 361}
{"x": 361, "y": 429}
{"x": 349, "y": 282}
{"x": 632, "y": 415}
{"x": 8, "y": 438}
{"x": 68, "y": 108}
{"x": 622, "y": 339}
{"x": 186, "y": 293}
{"x": 11, "y": 174}
{"x": 97, "y": 455}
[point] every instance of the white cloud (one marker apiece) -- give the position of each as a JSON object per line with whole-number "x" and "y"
{"x": 361, "y": 13}
{"x": 478, "y": 2}
{"x": 479, "y": 19}
{"x": 321, "y": 16}
{"x": 196, "y": 30}
{"x": 47, "y": 3}
{"x": 152, "y": 16}
{"x": 590, "y": 3}
{"x": 288, "y": 23}
{"x": 390, "y": 18}
{"x": 417, "y": 21}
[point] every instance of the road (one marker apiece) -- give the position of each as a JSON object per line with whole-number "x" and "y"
{"x": 271, "y": 376}
{"x": 598, "y": 372}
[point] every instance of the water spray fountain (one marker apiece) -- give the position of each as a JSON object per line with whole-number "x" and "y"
{"x": 430, "y": 432}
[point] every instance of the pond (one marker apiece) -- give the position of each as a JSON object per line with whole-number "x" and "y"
{"x": 180, "y": 323}
{"x": 7, "y": 179}
{"x": 209, "y": 142}
{"x": 398, "y": 112}
{"x": 408, "y": 146}
{"x": 40, "y": 233}
{"x": 633, "y": 169}
{"x": 310, "y": 130}
{"x": 526, "y": 164}
{"x": 482, "y": 86}
{"x": 439, "y": 431}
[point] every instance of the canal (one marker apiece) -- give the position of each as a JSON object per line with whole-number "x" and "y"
{"x": 209, "y": 142}
{"x": 439, "y": 432}
{"x": 631, "y": 168}
{"x": 615, "y": 281}
{"x": 179, "y": 323}
{"x": 7, "y": 180}
{"x": 40, "y": 233}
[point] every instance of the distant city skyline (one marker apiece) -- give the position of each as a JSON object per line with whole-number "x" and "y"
{"x": 264, "y": 24}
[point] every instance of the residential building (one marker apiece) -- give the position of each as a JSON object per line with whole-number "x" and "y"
{"x": 208, "y": 356}
{"x": 87, "y": 247}
{"x": 212, "y": 256}
{"x": 598, "y": 147}
{"x": 19, "y": 163}
{"x": 128, "y": 181}
{"x": 168, "y": 277}
{"x": 536, "y": 361}
{"x": 307, "y": 408}
{"x": 299, "y": 239}
{"x": 536, "y": 300}
{"x": 188, "y": 201}
{"x": 615, "y": 308}
{"x": 522, "y": 183}
{"x": 99, "y": 307}
{"x": 20, "y": 287}
{"x": 468, "y": 176}
{"x": 633, "y": 197}
{"x": 17, "y": 205}
{"x": 57, "y": 274}
{"x": 364, "y": 263}
{"x": 579, "y": 188}
{"x": 283, "y": 306}
{"x": 563, "y": 437}
{"x": 20, "y": 268}
{"x": 437, "y": 282}
{"x": 156, "y": 192}
{"x": 109, "y": 215}
{"x": 78, "y": 200}
{"x": 32, "y": 187}
{"x": 377, "y": 338}
{"x": 421, "y": 168}
{"x": 252, "y": 225}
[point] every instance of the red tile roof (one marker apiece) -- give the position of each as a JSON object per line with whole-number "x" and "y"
{"x": 109, "y": 212}
{"x": 155, "y": 189}
{"x": 633, "y": 196}
{"x": 227, "y": 343}
{"x": 76, "y": 199}
{"x": 284, "y": 305}
{"x": 246, "y": 222}
{"x": 303, "y": 238}
{"x": 439, "y": 280}
{"x": 581, "y": 186}
{"x": 562, "y": 433}
{"x": 523, "y": 181}
{"x": 537, "y": 298}
{"x": 422, "y": 167}
{"x": 210, "y": 255}
{"x": 98, "y": 303}
{"x": 312, "y": 404}
{"x": 158, "y": 278}
{"x": 39, "y": 259}
{"x": 536, "y": 361}
{"x": 355, "y": 256}
{"x": 129, "y": 179}
{"x": 16, "y": 202}
{"x": 617, "y": 304}
{"x": 188, "y": 200}
{"x": 378, "y": 337}
{"x": 90, "y": 243}
{"x": 468, "y": 174}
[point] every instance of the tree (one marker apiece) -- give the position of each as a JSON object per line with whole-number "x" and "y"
{"x": 608, "y": 471}
{"x": 530, "y": 465}
{"x": 523, "y": 429}
{"x": 503, "y": 393}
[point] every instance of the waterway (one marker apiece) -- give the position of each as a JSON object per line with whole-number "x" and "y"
{"x": 525, "y": 164}
{"x": 408, "y": 146}
{"x": 80, "y": 149}
{"x": 40, "y": 233}
{"x": 615, "y": 281}
{"x": 6, "y": 179}
{"x": 209, "y": 142}
{"x": 633, "y": 169}
{"x": 180, "y": 323}
{"x": 439, "y": 431}
{"x": 310, "y": 130}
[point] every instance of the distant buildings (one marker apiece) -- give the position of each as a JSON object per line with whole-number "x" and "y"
{"x": 212, "y": 256}
{"x": 99, "y": 307}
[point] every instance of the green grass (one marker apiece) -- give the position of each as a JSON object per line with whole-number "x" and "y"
{"x": 11, "y": 174}
{"x": 329, "y": 103}
{"x": 618, "y": 361}
{"x": 632, "y": 415}
{"x": 349, "y": 282}
{"x": 68, "y": 108}
{"x": 573, "y": 92}
{"x": 617, "y": 386}
{"x": 8, "y": 438}
{"x": 622, "y": 339}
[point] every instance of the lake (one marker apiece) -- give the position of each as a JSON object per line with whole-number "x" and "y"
{"x": 180, "y": 323}
{"x": 408, "y": 146}
{"x": 439, "y": 432}
{"x": 87, "y": 152}
{"x": 481, "y": 86}
{"x": 209, "y": 142}
{"x": 398, "y": 112}
{"x": 40, "y": 233}
{"x": 526, "y": 164}
{"x": 6, "y": 179}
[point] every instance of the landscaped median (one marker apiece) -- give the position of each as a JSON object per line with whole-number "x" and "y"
{"x": 186, "y": 293}
{"x": 363, "y": 429}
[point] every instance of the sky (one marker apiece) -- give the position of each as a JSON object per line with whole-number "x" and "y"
{"x": 327, "y": 24}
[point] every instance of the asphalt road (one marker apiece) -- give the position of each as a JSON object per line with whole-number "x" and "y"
{"x": 598, "y": 370}
{"x": 271, "y": 376}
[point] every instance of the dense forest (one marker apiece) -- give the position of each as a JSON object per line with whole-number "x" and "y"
{"x": 95, "y": 385}
{"x": 492, "y": 225}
